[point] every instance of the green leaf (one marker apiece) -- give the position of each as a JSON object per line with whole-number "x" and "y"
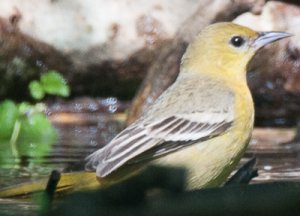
{"x": 7, "y": 158}
{"x": 8, "y": 116}
{"x": 36, "y": 136}
{"x": 25, "y": 108}
{"x": 53, "y": 83}
{"x": 36, "y": 90}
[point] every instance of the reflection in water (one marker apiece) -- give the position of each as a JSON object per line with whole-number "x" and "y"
{"x": 83, "y": 131}
{"x": 83, "y": 125}
{"x": 10, "y": 207}
{"x": 276, "y": 161}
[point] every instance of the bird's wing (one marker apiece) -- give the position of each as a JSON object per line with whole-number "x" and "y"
{"x": 179, "y": 132}
{"x": 168, "y": 125}
{"x": 163, "y": 136}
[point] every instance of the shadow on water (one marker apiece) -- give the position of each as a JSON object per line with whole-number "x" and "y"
{"x": 86, "y": 125}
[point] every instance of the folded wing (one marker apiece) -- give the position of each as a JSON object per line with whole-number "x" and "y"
{"x": 144, "y": 141}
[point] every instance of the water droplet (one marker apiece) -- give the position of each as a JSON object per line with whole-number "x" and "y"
{"x": 268, "y": 167}
{"x": 112, "y": 108}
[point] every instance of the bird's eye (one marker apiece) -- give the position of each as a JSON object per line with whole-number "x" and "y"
{"x": 237, "y": 41}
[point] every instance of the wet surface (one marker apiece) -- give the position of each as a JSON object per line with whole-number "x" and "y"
{"x": 16, "y": 207}
{"x": 83, "y": 130}
{"x": 278, "y": 158}
{"x": 82, "y": 127}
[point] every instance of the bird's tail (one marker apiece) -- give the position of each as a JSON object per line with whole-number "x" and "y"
{"x": 68, "y": 182}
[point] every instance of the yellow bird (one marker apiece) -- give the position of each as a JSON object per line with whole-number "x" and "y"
{"x": 202, "y": 122}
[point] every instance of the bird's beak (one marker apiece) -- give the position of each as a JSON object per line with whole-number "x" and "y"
{"x": 265, "y": 38}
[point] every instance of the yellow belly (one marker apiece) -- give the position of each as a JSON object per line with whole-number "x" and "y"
{"x": 208, "y": 163}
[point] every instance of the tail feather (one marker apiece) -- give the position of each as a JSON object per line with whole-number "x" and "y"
{"x": 69, "y": 182}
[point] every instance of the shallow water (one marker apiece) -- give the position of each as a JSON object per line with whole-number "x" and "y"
{"x": 81, "y": 132}
{"x": 278, "y": 159}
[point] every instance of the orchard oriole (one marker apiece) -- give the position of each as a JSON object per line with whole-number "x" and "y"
{"x": 202, "y": 122}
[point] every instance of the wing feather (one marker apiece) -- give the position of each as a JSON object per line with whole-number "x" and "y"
{"x": 145, "y": 141}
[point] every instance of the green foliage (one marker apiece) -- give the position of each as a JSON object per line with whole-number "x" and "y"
{"x": 25, "y": 130}
{"x": 53, "y": 83}
{"x": 8, "y": 116}
{"x": 36, "y": 135}
{"x": 50, "y": 83}
{"x": 7, "y": 159}
{"x": 36, "y": 90}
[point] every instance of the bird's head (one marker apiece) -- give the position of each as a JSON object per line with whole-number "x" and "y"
{"x": 225, "y": 49}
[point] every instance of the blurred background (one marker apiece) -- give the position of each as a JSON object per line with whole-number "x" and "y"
{"x": 112, "y": 59}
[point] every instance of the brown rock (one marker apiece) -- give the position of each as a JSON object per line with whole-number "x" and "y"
{"x": 274, "y": 73}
